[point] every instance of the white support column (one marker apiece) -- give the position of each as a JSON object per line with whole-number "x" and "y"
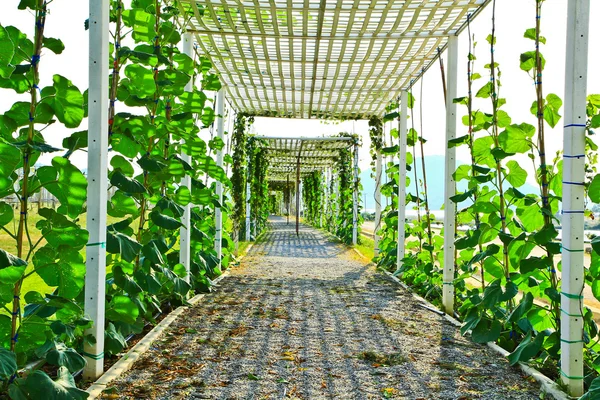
{"x": 377, "y": 200}
{"x": 248, "y": 191}
{"x": 355, "y": 198}
{"x": 95, "y": 278}
{"x": 218, "y": 213}
{"x": 186, "y": 181}
{"x": 571, "y": 359}
{"x": 402, "y": 142}
{"x": 449, "y": 184}
{"x": 324, "y": 194}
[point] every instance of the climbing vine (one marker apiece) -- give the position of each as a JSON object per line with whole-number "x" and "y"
{"x": 152, "y": 120}
{"x": 342, "y": 224}
{"x": 313, "y": 198}
{"x": 239, "y": 173}
{"x": 31, "y": 323}
{"x": 257, "y": 170}
{"x": 507, "y": 285}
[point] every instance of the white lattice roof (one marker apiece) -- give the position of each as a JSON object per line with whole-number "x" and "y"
{"x": 313, "y": 154}
{"x": 322, "y": 58}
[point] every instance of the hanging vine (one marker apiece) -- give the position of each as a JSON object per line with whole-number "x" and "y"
{"x": 259, "y": 186}
{"x": 312, "y": 197}
{"x": 239, "y": 173}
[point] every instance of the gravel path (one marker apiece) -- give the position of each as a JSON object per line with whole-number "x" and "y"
{"x": 303, "y": 318}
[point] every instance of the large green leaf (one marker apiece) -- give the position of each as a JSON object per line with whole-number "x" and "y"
{"x": 126, "y": 184}
{"x": 7, "y": 52}
{"x": 522, "y": 309}
{"x": 32, "y": 334}
{"x": 67, "y": 272}
{"x": 39, "y": 385}
{"x": 527, "y": 349}
{"x": 59, "y": 231}
{"x": 114, "y": 341}
{"x": 164, "y": 221}
{"x": 59, "y": 354}
{"x": 126, "y": 247}
{"x": 67, "y": 183}
{"x": 142, "y": 23}
{"x": 121, "y": 205}
{"x": 493, "y": 293}
{"x": 121, "y": 308}
{"x": 516, "y": 138}
{"x": 486, "y": 331}
{"x": 142, "y": 80}
{"x": 517, "y": 176}
{"x": 68, "y": 102}
{"x": 121, "y": 163}
{"x": 10, "y": 158}
{"x": 8, "y": 364}
{"x": 54, "y": 45}
{"x": 593, "y": 191}
{"x": 208, "y": 165}
{"x": 193, "y": 101}
{"x": 593, "y": 392}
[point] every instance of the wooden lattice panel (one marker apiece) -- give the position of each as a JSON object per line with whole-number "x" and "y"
{"x": 320, "y": 58}
{"x": 314, "y": 154}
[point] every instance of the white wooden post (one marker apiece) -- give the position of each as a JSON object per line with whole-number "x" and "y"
{"x": 218, "y": 213}
{"x": 355, "y": 197}
{"x": 95, "y": 278}
{"x": 402, "y": 140}
{"x": 324, "y": 207}
{"x": 248, "y": 181}
{"x": 571, "y": 359}
{"x": 449, "y": 184}
{"x": 185, "y": 231}
{"x": 378, "y": 169}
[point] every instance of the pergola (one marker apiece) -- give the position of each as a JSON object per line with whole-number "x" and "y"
{"x": 301, "y": 156}
{"x": 323, "y": 59}
{"x": 343, "y": 59}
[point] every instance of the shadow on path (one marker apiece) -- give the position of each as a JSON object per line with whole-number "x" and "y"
{"x": 303, "y": 319}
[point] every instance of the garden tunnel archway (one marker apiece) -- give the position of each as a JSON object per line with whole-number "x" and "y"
{"x": 347, "y": 59}
{"x": 318, "y": 59}
{"x": 298, "y": 157}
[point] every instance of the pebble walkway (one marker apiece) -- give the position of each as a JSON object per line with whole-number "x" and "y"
{"x": 304, "y": 318}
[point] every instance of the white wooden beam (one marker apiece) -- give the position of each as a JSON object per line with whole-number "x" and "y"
{"x": 449, "y": 184}
{"x": 95, "y": 278}
{"x": 573, "y": 196}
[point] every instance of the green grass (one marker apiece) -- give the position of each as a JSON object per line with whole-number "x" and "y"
{"x": 366, "y": 247}
{"x": 242, "y": 247}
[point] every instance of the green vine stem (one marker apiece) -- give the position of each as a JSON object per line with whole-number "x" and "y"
{"x": 114, "y": 81}
{"x": 415, "y": 137}
{"x": 152, "y": 115}
{"x": 470, "y": 68}
{"x": 541, "y": 144}
{"x": 425, "y": 191}
{"x": 495, "y": 133}
{"x": 40, "y": 21}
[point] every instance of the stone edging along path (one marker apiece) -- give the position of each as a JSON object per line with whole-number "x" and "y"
{"x": 127, "y": 360}
{"x": 548, "y": 385}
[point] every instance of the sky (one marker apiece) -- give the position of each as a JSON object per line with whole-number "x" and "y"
{"x": 66, "y": 21}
